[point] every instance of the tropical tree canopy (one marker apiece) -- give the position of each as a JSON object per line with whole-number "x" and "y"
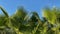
{"x": 22, "y": 22}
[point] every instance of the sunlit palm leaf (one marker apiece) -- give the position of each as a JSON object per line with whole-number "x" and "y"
{"x": 50, "y": 15}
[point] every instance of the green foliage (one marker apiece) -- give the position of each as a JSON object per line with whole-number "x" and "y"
{"x": 23, "y": 22}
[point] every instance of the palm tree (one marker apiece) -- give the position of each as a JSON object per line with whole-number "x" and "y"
{"x": 18, "y": 19}
{"x": 30, "y": 23}
{"x": 6, "y": 22}
{"x": 5, "y": 13}
{"x": 34, "y": 21}
{"x": 51, "y": 16}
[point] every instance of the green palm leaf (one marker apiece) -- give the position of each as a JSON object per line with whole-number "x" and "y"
{"x": 5, "y": 13}
{"x": 49, "y": 15}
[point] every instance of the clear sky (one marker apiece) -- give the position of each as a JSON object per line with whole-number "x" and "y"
{"x": 29, "y": 5}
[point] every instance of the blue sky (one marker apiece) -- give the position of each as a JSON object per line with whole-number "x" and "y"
{"x": 29, "y": 5}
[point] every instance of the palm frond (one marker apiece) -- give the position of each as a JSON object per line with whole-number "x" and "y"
{"x": 5, "y": 13}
